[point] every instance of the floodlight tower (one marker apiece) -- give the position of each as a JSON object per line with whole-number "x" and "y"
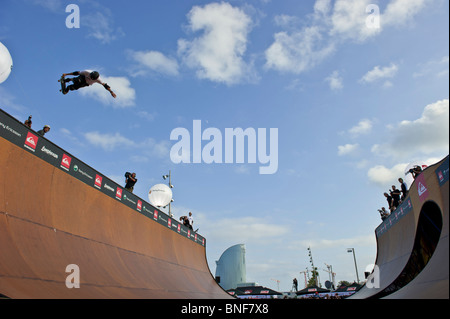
{"x": 315, "y": 272}
{"x": 171, "y": 186}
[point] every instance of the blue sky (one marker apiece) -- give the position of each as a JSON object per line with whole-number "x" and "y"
{"x": 353, "y": 103}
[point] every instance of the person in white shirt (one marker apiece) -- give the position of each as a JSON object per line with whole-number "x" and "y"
{"x": 191, "y": 220}
{"x": 83, "y": 79}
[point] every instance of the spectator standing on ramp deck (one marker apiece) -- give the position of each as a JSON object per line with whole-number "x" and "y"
{"x": 130, "y": 181}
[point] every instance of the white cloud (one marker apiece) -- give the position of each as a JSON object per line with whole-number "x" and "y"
{"x": 330, "y": 26}
{"x": 322, "y": 7}
{"x": 384, "y": 176}
{"x": 156, "y": 62}
{"x": 363, "y": 127}
{"x": 217, "y": 54}
{"x": 399, "y": 12}
{"x": 100, "y": 26}
{"x": 108, "y": 141}
{"x": 349, "y": 20}
{"x": 152, "y": 148}
{"x": 379, "y": 73}
{"x": 97, "y": 19}
{"x": 335, "y": 81}
{"x": 347, "y": 149}
{"x": 350, "y": 16}
{"x": 146, "y": 115}
{"x": 120, "y": 85}
{"x": 7, "y": 100}
{"x": 284, "y": 20}
{"x": 52, "y": 5}
{"x": 425, "y": 136}
{"x": 438, "y": 68}
{"x": 297, "y": 52}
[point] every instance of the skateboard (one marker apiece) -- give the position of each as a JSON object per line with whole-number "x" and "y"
{"x": 63, "y": 85}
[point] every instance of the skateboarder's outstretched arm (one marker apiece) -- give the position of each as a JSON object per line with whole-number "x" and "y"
{"x": 76, "y": 73}
{"x": 108, "y": 88}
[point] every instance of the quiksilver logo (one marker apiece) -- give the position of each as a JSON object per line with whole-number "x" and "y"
{"x": 421, "y": 189}
{"x": 98, "y": 181}
{"x": 65, "y": 162}
{"x": 30, "y": 140}
{"x": 119, "y": 193}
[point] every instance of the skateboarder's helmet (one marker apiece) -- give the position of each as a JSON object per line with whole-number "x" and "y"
{"x": 94, "y": 75}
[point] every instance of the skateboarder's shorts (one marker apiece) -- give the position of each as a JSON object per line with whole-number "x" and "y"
{"x": 78, "y": 82}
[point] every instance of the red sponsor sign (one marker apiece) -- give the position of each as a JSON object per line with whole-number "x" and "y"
{"x": 139, "y": 205}
{"x": 422, "y": 188}
{"x": 31, "y": 141}
{"x": 169, "y": 223}
{"x": 98, "y": 181}
{"x": 119, "y": 193}
{"x": 65, "y": 162}
{"x": 155, "y": 215}
{"x": 441, "y": 176}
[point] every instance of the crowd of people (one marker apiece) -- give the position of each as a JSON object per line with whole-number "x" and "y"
{"x": 322, "y": 296}
{"x": 397, "y": 196}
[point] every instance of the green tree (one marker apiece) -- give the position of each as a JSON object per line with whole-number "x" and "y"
{"x": 314, "y": 281}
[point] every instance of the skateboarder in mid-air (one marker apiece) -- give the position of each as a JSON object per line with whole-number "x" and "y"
{"x": 82, "y": 79}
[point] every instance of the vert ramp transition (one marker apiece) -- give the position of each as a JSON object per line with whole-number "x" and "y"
{"x": 413, "y": 245}
{"x": 63, "y": 223}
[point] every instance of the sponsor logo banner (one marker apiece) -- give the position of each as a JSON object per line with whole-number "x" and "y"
{"x": 442, "y": 172}
{"x": 21, "y": 136}
{"x": 65, "y": 162}
{"x": 422, "y": 188}
{"x": 31, "y": 141}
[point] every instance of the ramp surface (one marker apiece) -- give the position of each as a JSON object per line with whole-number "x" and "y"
{"x": 57, "y": 217}
{"x": 412, "y": 244}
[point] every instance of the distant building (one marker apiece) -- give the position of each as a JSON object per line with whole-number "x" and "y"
{"x": 230, "y": 270}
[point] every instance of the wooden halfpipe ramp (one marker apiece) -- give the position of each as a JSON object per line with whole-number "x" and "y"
{"x": 413, "y": 245}
{"x": 63, "y": 224}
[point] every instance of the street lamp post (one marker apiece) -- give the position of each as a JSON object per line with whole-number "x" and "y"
{"x": 171, "y": 186}
{"x": 349, "y": 250}
{"x": 331, "y": 274}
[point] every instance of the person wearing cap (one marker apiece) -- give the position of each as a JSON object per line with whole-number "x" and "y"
{"x": 44, "y": 130}
{"x": 83, "y": 79}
